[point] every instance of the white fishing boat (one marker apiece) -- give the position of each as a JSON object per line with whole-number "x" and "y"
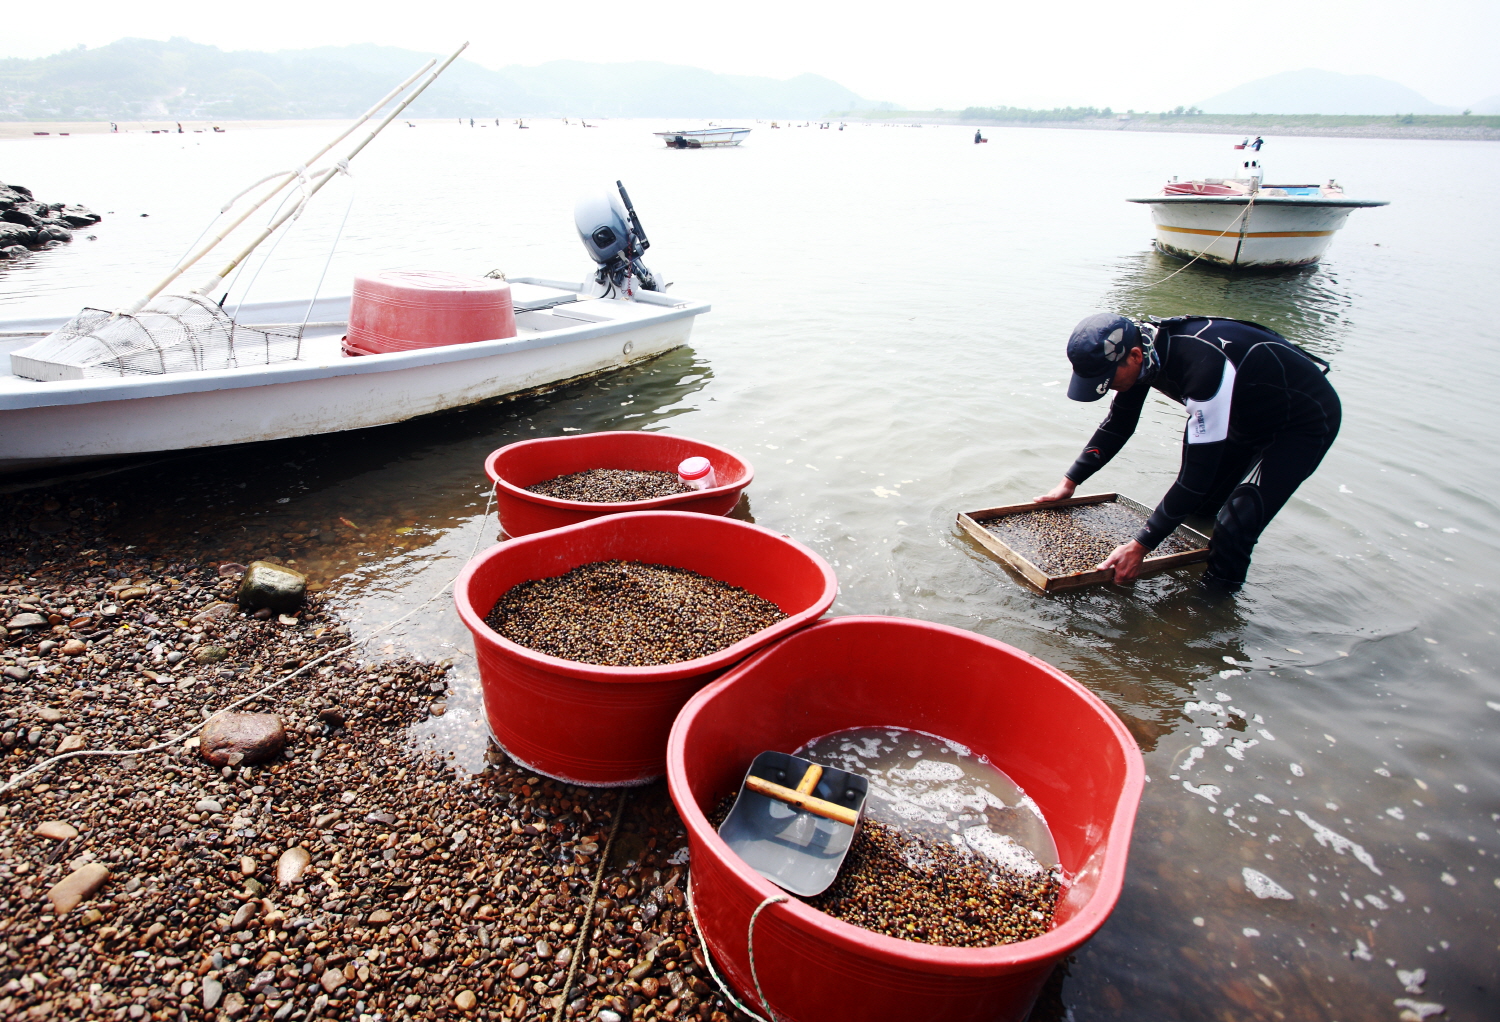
{"x": 1240, "y": 222}
{"x": 703, "y": 138}
{"x": 563, "y": 333}
{"x": 182, "y": 371}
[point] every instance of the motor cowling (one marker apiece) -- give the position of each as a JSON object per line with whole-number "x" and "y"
{"x": 612, "y": 234}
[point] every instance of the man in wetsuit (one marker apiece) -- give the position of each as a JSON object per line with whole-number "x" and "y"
{"x": 1261, "y": 415}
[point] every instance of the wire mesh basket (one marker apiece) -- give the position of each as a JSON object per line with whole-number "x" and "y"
{"x": 174, "y": 334}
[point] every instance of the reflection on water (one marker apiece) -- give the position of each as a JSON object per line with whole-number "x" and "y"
{"x": 1307, "y": 306}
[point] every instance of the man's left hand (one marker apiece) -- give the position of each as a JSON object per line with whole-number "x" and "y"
{"x": 1126, "y": 560}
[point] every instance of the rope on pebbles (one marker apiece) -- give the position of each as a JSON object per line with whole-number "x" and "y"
{"x": 45, "y": 764}
{"x": 588, "y": 913}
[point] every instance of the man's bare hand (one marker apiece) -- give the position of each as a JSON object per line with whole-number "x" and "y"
{"x": 1126, "y": 560}
{"x": 1062, "y": 491}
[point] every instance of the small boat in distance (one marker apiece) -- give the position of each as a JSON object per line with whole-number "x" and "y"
{"x": 1241, "y": 222}
{"x": 703, "y": 138}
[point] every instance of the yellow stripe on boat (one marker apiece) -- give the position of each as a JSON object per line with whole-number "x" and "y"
{"x": 1248, "y": 234}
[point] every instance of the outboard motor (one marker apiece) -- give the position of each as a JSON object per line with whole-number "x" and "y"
{"x": 614, "y": 238}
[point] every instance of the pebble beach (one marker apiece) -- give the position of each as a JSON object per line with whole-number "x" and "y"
{"x": 348, "y": 877}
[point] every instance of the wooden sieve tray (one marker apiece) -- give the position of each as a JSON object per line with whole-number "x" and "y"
{"x": 974, "y": 523}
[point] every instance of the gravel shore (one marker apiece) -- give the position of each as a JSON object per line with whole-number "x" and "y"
{"x": 348, "y": 878}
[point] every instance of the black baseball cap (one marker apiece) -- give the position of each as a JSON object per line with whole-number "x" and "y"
{"x": 1097, "y": 347}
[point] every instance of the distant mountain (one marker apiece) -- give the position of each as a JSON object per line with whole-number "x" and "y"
{"x": 180, "y": 80}
{"x": 1311, "y": 91}
{"x": 1488, "y": 106}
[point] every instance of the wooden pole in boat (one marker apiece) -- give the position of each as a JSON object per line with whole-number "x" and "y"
{"x": 282, "y": 181}
{"x": 327, "y": 175}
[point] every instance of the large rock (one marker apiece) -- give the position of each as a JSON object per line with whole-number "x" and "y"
{"x": 272, "y": 585}
{"x": 77, "y": 886}
{"x": 16, "y": 234}
{"x": 78, "y": 216}
{"x": 54, "y": 232}
{"x": 24, "y": 217}
{"x": 241, "y": 739}
{"x": 26, "y": 620}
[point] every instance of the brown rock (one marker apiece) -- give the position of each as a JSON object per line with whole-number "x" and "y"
{"x": 465, "y": 1000}
{"x": 57, "y": 830}
{"x": 72, "y": 743}
{"x": 217, "y": 612}
{"x": 292, "y": 864}
{"x": 236, "y": 739}
{"x": 272, "y": 587}
{"x": 50, "y": 714}
{"x": 77, "y": 886}
{"x": 74, "y": 647}
{"x": 332, "y": 980}
{"x": 380, "y": 916}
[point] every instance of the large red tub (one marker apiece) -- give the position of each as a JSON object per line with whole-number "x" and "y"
{"x": 1054, "y": 738}
{"x": 595, "y": 725}
{"x": 402, "y": 310}
{"x": 519, "y": 465}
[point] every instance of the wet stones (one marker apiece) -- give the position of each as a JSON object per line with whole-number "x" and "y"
{"x": 268, "y": 586}
{"x": 611, "y": 486}
{"x": 242, "y": 739}
{"x": 933, "y": 893}
{"x": 630, "y": 614}
{"x": 1069, "y": 540}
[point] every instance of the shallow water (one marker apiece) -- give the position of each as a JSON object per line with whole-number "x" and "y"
{"x": 886, "y": 345}
{"x": 938, "y": 790}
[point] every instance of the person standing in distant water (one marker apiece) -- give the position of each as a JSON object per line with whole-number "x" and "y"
{"x": 179, "y": 127}
{"x": 1257, "y": 143}
{"x": 1261, "y": 415}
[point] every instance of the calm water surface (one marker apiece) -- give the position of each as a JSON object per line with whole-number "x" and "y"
{"x": 890, "y": 307}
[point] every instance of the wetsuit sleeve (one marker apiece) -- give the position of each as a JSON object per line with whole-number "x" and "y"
{"x": 1118, "y": 426}
{"x": 1203, "y": 445}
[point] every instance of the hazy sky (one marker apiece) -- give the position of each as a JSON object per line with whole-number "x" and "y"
{"x": 948, "y": 53}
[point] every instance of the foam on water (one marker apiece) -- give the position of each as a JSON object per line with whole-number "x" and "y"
{"x": 939, "y": 790}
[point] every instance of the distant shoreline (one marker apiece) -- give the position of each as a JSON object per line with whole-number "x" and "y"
{"x": 1207, "y": 124}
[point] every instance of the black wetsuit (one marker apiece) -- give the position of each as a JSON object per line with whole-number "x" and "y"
{"x": 1261, "y": 415}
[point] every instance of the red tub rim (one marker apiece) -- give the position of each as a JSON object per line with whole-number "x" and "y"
{"x": 474, "y": 620}
{"x": 980, "y": 961}
{"x": 740, "y": 482}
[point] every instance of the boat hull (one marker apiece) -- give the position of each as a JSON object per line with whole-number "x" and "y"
{"x": 63, "y": 424}
{"x": 1273, "y": 234}
{"x": 703, "y": 138}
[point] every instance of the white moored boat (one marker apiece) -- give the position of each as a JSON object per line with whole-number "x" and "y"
{"x": 562, "y": 333}
{"x": 181, "y": 371}
{"x": 703, "y": 138}
{"x": 1240, "y": 222}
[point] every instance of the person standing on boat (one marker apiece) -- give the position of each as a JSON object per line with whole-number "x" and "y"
{"x": 1261, "y": 415}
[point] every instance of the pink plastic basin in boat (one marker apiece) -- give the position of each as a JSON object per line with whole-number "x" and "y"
{"x": 519, "y": 465}
{"x": 595, "y": 725}
{"x": 1053, "y": 737}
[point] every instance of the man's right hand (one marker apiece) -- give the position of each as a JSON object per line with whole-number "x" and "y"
{"x": 1062, "y": 491}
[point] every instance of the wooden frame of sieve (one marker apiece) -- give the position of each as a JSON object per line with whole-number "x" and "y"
{"x": 973, "y": 523}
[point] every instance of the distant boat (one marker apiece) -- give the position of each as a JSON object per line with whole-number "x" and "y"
{"x": 1240, "y": 222}
{"x": 703, "y": 138}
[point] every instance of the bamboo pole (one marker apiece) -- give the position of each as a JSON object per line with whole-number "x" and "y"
{"x": 284, "y": 179}
{"x": 214, "y": 281}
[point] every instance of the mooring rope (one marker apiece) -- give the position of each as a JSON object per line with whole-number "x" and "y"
{"x": 708, "y": 959}
{"x": 1244, "y": 215}
{"x": 169, "y": 743}
{"x": 774, "y": 899}
{"x": 588, "y": 914}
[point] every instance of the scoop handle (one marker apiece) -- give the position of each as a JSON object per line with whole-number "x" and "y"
{"x": 807, "y": 803}
{"x": 810, "y": 779}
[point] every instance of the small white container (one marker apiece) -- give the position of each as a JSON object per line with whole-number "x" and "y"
{"x": 697, "y": 473}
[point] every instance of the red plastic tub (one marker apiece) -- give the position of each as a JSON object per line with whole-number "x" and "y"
{"x": 1054, "y": 738}
{"x": 402, "y": 310}
{"x": 601, "y": 726}
{"x": 519, "y": 465}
